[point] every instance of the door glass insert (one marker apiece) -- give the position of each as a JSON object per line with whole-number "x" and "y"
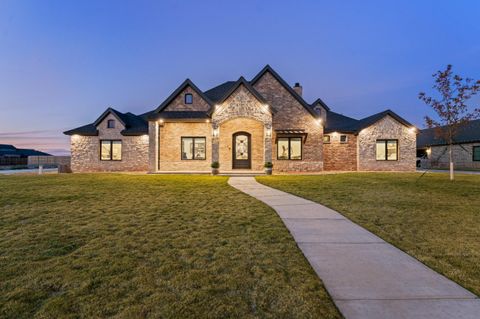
{"x": 241, "y": 147}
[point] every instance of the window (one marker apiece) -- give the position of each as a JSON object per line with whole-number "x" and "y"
{"x": 111, "y": 123}
{"x": 476, "y": 153}
{"x": 343, "y": 138}
{"x": 387, "y": 150}
{"x": 193, "y": 148}
{"x": 326, "y": 139}
{"x": 188, "y": 98}
{"x": 289, "y": 148}
{"x": 110, "y": 150}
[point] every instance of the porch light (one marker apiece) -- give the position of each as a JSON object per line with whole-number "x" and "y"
{"x": 429, "y": 151}
{"x": 160, "y": 121}
{"x": 215, "y": 132}
{"x": 268, "y": 132}
{"x": 319, "y": 121}
{"x": 208, "y": 121}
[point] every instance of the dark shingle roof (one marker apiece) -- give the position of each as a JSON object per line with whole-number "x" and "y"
{"x": 174, "y": 115}
{"x": 467, "y": 134}
{"x": 341, "y": 123}
{"x": 185, "y": 84}
{"x": 10, "y": 150}
{"x": 134, "y": 124}
{"x": 217, "y": 93}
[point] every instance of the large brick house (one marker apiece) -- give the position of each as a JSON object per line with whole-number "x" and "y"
{"x": 243, "y": 124}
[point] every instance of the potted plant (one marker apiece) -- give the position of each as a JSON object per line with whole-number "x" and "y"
{"x": 215, "y": 166}
{"x": 268, "y": 168}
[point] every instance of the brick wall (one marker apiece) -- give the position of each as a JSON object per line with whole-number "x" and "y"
{"x": 170, "y": 146}
{"x": 86, "y": 150}
{"x": 339, "y": 156}
{"x": 462, "y": 156}
{"x": 178, "y": 104}
{"x": 256, "y": 130}
{"x": 292, "y": 115}
{"x": 387, "y": 128}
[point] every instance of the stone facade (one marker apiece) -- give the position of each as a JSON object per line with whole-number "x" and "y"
{"x": 387, "y": 128}
{"x": 462, "y": 156}
{"x": 178, "y": 104}
{"x": 86, "y": 150}
{"x": 290, "y": 114}
{"x": 170, "y": 146}
{"x": 340, "y": 156}
{"x": 267, "y": 112}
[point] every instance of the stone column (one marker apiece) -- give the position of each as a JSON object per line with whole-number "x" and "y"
{"x": 215, "y": 142}
{"x": 268, "y": 142}
{"x": 153, "y": 142}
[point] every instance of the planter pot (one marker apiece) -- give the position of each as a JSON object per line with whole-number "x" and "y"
{"x": 215, "y": 171}
{"x": 268, "y": 171}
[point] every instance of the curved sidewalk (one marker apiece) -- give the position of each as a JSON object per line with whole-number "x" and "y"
{"x": 365, "y": 276}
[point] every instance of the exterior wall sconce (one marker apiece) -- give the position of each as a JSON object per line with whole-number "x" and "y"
{"x": 319, "y": 121}
{"x": 268, "y": 132}
{"x": 215, "y": 132}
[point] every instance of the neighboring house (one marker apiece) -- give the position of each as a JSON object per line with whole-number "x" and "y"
{"x": 243, "y": 124}
{"x": 10, "y": 155}
{"x": 466, "y": 148}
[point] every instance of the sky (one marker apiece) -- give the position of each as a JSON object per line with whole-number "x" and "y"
{"x": 62, "y": 63}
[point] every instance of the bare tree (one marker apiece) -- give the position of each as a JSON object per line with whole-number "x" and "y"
{"x": 451, "y": 109}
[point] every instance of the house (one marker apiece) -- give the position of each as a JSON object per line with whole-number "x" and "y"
{"x": 466, "y": 147}
{"x": 243, "y": 124}
{"x": 10, "y": 155}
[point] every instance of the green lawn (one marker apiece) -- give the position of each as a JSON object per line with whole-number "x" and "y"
{"x": 138, "y": 246}
{"x": 433, "y": 219}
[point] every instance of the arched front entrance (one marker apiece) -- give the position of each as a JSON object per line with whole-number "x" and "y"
{"x": 241, "y": 150}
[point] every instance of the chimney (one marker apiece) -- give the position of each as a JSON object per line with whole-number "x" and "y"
{"x": 298, "y": 88}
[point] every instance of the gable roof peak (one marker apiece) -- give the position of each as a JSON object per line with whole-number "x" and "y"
{"x": 277, "y": 77}
{"x": 179, "y": 90}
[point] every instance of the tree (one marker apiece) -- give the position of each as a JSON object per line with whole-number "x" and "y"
{"x": 451, "y": 108}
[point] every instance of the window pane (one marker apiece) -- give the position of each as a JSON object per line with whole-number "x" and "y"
{"x": 282, "y": 148}
{"x": 343, "y": 139}
{"x": 241, "y": 147}
{"x": 105, "y": 150}
{"x": 116, "y": 150}
{"x": 381, "y": 156}
{"x": 392, "y": 150}
{"x": 187, "y": 148}
{"x": 295, "y": 148}
{"x": 200, "y": 148}
{"x": 476, "y": 153}
{"x": 326, "y": 139}
{"x": 111, "y": 124}
{"x": 188, "y": 98}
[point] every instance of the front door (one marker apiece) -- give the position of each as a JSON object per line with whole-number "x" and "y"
{"x": 241, "y": 149}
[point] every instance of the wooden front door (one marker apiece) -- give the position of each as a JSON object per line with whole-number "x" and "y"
{"x": 241, "y": 150}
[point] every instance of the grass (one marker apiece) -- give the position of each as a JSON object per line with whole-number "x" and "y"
{"x": 432, "y": 219}
{"x": 143, "y": 246}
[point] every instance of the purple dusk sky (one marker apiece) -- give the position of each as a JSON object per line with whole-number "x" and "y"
{"x": 62, "y": 63}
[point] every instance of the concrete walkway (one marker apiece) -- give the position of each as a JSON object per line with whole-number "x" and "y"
{"x": 365, "y": 276}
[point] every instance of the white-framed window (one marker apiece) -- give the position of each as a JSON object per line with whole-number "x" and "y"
{"x": 188, "y": 98}
{"x": 343, "y": 138}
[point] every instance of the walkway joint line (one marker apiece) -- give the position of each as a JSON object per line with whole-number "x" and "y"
{"x": 366, "y": 277}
